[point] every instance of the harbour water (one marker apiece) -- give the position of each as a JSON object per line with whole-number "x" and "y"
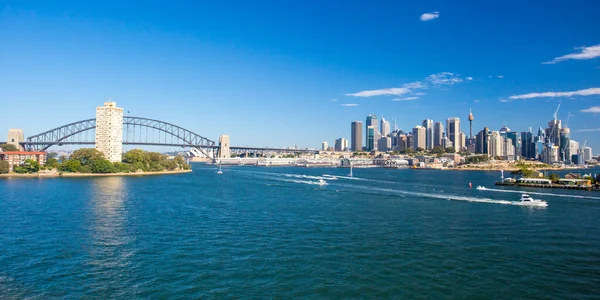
{"x": 268, "y": 232}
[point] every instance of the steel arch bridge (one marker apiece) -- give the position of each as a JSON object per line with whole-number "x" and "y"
{"x": 77, "y": 133}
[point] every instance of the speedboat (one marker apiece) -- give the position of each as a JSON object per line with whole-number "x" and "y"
{"x": 480, "y": 187}
{"x": 322, "y": 182}
{"x": 527, "y": 200}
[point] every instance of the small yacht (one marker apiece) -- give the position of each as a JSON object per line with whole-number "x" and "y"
{"x": 527, "y": 200}
{"x": 322, "y": 182}
{"x": 220, "y": 172}
{"x": 480, "y": 187}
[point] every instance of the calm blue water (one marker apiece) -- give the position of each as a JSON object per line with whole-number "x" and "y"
{"x": 271, "y": 233}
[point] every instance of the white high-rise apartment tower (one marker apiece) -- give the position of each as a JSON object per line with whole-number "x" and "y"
{"x": 109, "y": 131}
{"x": 453, "y": 128}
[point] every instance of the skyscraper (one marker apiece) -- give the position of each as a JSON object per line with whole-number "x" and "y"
{"x": 482, "y": 142}
{"x": 496, "y": 144}
{"x": 371, "y": 145}
{"x": 516, "y": 143}
{"x": 324, "y": 146}
{"x": 372, "y": 121}
{"x": 341, "y": 144}
{"x": 428, "y": 124}
{"x": 528, "y": 145}
{"x": 453, "y": 127}
{"x": 438, "y": 134}
{"x": 385, "y": 127}
{"x": 587, "y": 153}
{"x": 419, "y": 136}
{"x": 109, "y": 131}
{"x": 356, "y": 136}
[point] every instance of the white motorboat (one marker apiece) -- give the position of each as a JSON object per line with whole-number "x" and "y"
{"x": 322, "y": 182}
{"x": 527, "y": 200}
{"x": 480, "y": 187}
{"x": 220, "y": 172}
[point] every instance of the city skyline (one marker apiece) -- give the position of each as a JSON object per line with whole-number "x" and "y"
{"x": 512, "y": 68}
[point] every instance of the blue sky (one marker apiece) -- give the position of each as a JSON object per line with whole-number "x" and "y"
{"x": 280, "y": 73}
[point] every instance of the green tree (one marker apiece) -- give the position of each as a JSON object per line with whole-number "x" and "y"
{"x": 437, "y": 150}
{"x": 87, "y": 156}
{"x": 102, "y": 166}
{"x": 19, "y": 169}
{"x": 419, "y": 149}
{"x": 407, "y": 151}
{"x": 121, "y": 167}
{"x": 51, "y": 163}
{"x": 85, "y": 169}
{"x": 450, "y": 150}
{"x": 9, "y": 147}
{"x": 31, "y": 166}
{"x": 70, "y": 165}
{"x": 4, "y": 167}
{"x": 554, "y": 177}
{"x": 134, "y": 156}
{"x": 52, "y": 155}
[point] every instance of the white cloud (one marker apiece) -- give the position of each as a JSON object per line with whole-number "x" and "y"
{"x": 444, "y": 78}
{"x": 586, "y": 92}
{"x": 469, "y": 78}
{"x": 430, "y": 16}
{"x": 593, "y": 109}
{"x": 476, "y": 101}
{"x": 585, "y": 53}
{"x": 390, "y": 91}
{"x": 588, "y": 130}
{"x": 333, "y": 100}
{"x": 503, "y": 100}
{"x": 420, "y": 94}
{"x": 349, "y": 104}
{"x": 500, "y": 76}
{"x": 405, "y": 99}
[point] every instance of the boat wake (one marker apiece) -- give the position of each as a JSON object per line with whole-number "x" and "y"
{"x": 542, "y": 194}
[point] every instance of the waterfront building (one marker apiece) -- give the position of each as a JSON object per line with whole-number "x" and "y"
{"x": 370, "y": 142}
{"x": 409, "y": 141}
{"x": 419, "y": 137}
{"x": 453, "y": 128}
{"x": 17, "y": 158}
{"x": 587, "y": 153}
{"x": 356, "y": 136}
{"x": 15, "y": 138}
{"x": 428, "y": 124}
{"x": 438, "y": 134}
{"x": 109, "y": 131}
{"x": 324, "y": 146}
{"x": 384, "y": 144}
{"x": 341, "y": 144}
{"x": 385, "y": 127}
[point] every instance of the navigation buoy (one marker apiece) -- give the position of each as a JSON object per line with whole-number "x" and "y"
{"x": 470, "y": 185}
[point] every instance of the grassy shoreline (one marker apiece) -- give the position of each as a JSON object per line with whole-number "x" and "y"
{"x": 74, "y": 175}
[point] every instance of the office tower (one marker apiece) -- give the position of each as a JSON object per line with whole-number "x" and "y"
{"x": 372, "y": 121}
{"x": 341, "y": 144}
{"x": 109, "y": 131}
{"x": 565, "y": 136}
{"x": 370, "y": 144}
{"x": 453, "y": 128}
{"x": 528, "y": 145}
{"x": 402, "y": 142}
{"x": 462, "y": 140}
{"x": 356, "y": 136}
{"x": 482, "y": 142}
{"x": 385, "y": 127}
{"x": 384, "y": 144}
{"x": 508, "y": 150}
{"x": 553, "y": 133}
{"x": 428, "y": 124}
{"x": 587, "y": 153}
{"x": 438, "y": 134}
{"x": 496, "y": 144}
{"x": 471, "y": 118}
{"x": 409, "y": 140}
{"x": 419, "y": 137}
{"x": 516, "y": 142}
{"x": 573, "y": 149}
{"x": 324, "y": 146}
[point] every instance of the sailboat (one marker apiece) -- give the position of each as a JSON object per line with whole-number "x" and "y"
{"x": 220, "y": 172}
{"x": 350, "y": 175}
